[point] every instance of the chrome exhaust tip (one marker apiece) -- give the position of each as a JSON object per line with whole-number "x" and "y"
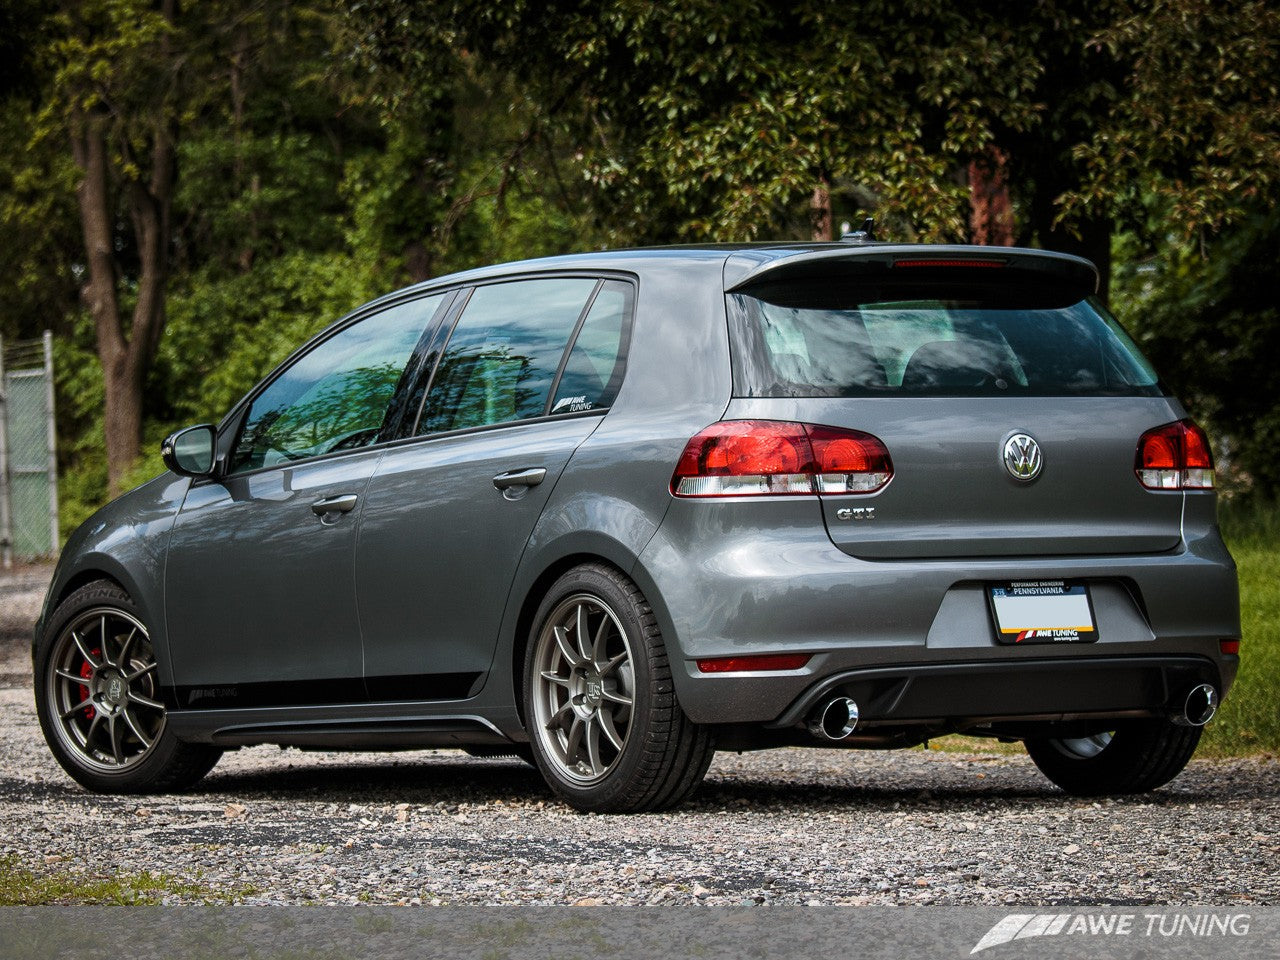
{"x": 1198, "y": 708}
{"x": 835, "y": 720}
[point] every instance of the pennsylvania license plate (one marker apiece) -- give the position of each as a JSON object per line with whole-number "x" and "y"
{"x": 1042, "y": 611}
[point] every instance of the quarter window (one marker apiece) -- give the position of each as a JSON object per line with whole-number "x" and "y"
{"x": 335, "y": 397}
{"x": 593, "y": 372}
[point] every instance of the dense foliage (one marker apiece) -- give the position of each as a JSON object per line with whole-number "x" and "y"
{"x": 187, "y": 190}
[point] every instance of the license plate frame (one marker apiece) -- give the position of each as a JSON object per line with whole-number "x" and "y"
{"x": 1027, "y": 612}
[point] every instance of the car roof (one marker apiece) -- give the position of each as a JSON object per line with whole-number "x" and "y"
{"x": 745, "y": 264}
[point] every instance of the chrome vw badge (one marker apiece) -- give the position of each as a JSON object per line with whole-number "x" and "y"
{"x": 1022, "y": 457}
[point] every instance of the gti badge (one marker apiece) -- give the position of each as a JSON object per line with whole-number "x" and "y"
{"x": 856, "y": 513}
{"x": 1022, "y": 457}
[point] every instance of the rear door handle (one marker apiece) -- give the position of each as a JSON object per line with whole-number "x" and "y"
{"x": 520, "y": 478}
{"x": 340, "y": 504}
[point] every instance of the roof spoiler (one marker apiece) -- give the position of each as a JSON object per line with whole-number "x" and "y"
{"x": 893, "y": 261}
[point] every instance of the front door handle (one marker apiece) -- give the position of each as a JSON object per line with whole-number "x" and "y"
{"x": 520, "y": 478}
{"x": 340, "y": 504}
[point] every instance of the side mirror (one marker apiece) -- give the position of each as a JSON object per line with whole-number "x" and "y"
{"x": 190, "y": 452}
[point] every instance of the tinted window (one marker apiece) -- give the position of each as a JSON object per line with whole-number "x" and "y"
{"x": 593, "y": 372}
{"x": 790, "y": 346}
{"x": 503, "y": 354}
{"x": 335, "y": 396}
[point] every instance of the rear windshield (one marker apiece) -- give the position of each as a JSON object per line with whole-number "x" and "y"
{"x": 842, "y": 341}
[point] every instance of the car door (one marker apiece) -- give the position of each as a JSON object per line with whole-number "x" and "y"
{"x": 447, "y": 516}
{"x": 259, "y": 582}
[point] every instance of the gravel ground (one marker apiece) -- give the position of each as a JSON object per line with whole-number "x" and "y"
{"x": 783, "y": 826}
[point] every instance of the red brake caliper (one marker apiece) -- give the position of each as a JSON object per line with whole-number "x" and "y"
{"x": 86, "y": 671}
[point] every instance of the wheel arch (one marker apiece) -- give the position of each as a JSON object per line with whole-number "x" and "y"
{"x": 83, "y": 578}
{"x": 92, "y": 567}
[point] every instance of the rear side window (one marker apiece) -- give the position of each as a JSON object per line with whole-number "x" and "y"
{"x": 527, "y": 348}
{"x": 882, "y": 342}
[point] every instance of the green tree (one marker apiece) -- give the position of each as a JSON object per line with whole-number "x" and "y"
{"x": 37, "y": 180}
{"x": 721, "y": 121}
{"x": 119, "y": 71}
{"x": 189, "y": 190}
{"x": 1194, "y": 133}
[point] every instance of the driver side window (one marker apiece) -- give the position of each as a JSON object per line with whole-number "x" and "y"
{"x": 335, "y": 397}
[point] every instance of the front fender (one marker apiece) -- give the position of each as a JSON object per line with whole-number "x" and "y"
{"x": 126, "y": 541}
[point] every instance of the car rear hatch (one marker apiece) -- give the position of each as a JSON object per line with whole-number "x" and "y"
{"x": 1010, "y": 403}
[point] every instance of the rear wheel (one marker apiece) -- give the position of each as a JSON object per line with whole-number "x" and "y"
{"x": 97, "y": 696}
{"x": 606, "y": 730}
{"x": 1137, "y": 756}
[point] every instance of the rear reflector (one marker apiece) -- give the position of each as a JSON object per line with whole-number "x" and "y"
{"x": 1229, "y": 648}
{"x": 737, "y": 458}
{"x": 771, "y": 661}
{"x": 1175, "y": 457}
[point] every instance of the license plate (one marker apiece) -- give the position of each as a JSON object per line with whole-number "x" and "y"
{"x": 1042, "y": 611}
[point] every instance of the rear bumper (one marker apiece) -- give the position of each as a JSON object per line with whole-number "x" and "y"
{"x": 734, "y": 579}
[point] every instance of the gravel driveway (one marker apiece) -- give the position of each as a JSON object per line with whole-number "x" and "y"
{"x": 784, "y": 826}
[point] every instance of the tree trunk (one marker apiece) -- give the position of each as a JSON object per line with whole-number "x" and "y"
{"x": 122, "y": 419}
{"x": 125, "y": 359}
{"x": 417, "y": 261}
{"x": 122, "y": 422}
{"x": 990, "y": 209}
{"x": 820, "y": 211}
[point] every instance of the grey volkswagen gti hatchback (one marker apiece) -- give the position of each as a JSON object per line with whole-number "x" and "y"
{"x": 614, "y": 511}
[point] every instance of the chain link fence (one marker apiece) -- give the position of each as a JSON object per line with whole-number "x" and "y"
{"x": 28, "y": 465}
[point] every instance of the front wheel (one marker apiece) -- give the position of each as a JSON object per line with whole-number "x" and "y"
{"x": 98, "y": 699}
{"x": 1137, "y": 756}
{"x": 606, "y": 730}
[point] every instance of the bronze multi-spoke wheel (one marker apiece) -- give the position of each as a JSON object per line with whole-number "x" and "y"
{"x": 102, "y": 685}
{"x": 606, "y": 730}
{"x": 98, "y": 696}
{"x": 585, "y": 688}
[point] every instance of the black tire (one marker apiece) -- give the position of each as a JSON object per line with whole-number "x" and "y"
{"x": 1139, "y": 755}
{"x": 663, "y": 756}
{"x": 97, "y": 699}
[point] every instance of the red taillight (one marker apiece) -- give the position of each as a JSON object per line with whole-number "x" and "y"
{"x": 848, "y": 461}
{"x": 1229, "y": 648}
{"x": 737, "y": 458}
{"x": 745, "y": 457}
{"x": 948, "y": 263}
{"x": 757, "y": 663}
{"x": 1175, "y": 457}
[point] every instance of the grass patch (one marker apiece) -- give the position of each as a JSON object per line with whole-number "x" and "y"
{"x": 1249, "y": 721}
{"x": 21, "y": 887}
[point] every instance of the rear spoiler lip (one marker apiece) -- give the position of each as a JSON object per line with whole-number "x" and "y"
{"x": 752, "y": 269}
